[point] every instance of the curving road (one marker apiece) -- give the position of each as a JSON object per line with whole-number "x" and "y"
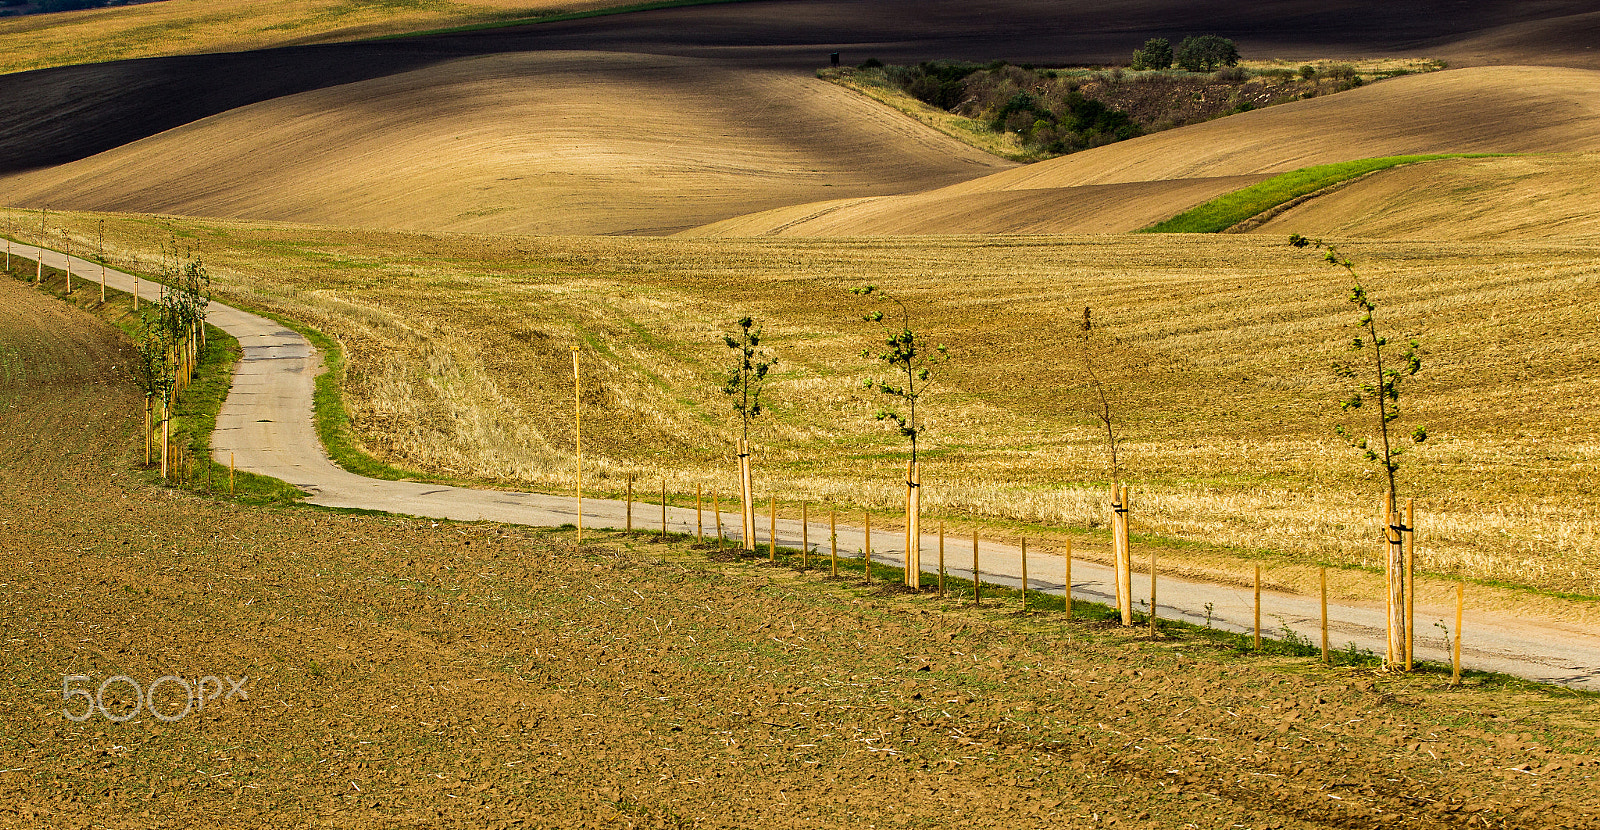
{"x": 266, "y": 427}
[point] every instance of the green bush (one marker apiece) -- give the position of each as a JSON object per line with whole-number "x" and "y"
{"x": 1156, "y": 53}
{"x": 1206, "y": 52}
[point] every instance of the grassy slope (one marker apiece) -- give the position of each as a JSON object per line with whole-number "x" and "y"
{"x": 471, "y": 673}
{"x": 1224, "y": 212}
{"x": 457, "y": 345}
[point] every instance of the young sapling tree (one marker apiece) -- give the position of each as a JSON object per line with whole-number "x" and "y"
{"x": 743, "y": 384}
{"x": 1379, "y": 381}
{"x": 1092, "y": 353}
{"x": 912, "y": 367}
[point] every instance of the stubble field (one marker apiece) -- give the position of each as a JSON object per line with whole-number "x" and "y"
{"x": 401, "y": 671}
{"x": 459, "y": 364}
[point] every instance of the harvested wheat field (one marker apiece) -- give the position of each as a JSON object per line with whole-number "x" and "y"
{"x": 1483, "y": 110}
{"x": 459, "y": 364}
{"x": 549, "y": 143}
{"x": 1550, "y": 197}
{"x": 378, "y": 671}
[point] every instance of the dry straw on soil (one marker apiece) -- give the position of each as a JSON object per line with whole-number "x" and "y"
{"x": 459, "y": 354}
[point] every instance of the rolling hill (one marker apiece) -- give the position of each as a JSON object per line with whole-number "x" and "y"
{"x": 544, "y": 142}
{"x": 700, "y": 114}
{"x": 1523, "y": 197}
{"x": 1126, "y": 186}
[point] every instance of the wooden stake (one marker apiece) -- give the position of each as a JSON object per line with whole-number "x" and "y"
{"x": 135, "y": 292}
{"x": 67, "y": 245}
{"x": 1325, "y": 657}
{"x": 833, "y": 543}
{"x": 1258, "y": 609}
{"x": 914, "y": 529}
{"x": 905, "y": 561}
{"x": 699, "y": 517}
{"x": 1410, "y": 586}
{"x": 805, "y": 535}
{"x": 577, "y": 435}
{"x": 102, "y": 262}
{"x": 663, "y": 508}
{"x": 1122, "y": 552}
{"x": 941, "y": 559}
{"x": 772, "y": 528}
{"x": 629, "y": 512}
{"x": 1394, "y": 603}
{"x": 38, "y": 277}
{"x": 747, "y": 507}
{"x": 1455, "y": 647}
{"x": 1066, "y": 591}
{"x": 1024, "y": 573}
{"x": 866, "y": 547}
{"x": 1152, "y": 590}
{"x": 977, "y": 590}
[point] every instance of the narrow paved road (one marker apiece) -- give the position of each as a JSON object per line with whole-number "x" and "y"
{"x": 266, "y": 427}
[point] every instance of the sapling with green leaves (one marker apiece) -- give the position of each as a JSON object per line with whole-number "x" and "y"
{"x": 913, "y": 375}
{"x": 1386, "y": 375}
{"x": 1384, "y": 390}
{"x": 743, "y": 384}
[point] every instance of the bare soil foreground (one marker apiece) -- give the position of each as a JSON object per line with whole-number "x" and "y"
{"x": 405, "y": 672}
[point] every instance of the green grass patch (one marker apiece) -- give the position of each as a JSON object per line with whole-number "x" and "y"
{"x": 557, "y": 17}
{"x": 1228, "y": 210}
{"x": 329, "y": 413}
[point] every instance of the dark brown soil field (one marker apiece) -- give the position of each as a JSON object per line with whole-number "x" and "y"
{"x": 412, "y": 673}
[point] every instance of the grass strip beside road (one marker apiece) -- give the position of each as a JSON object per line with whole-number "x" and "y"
{"x": 194, "y": 412}
{"x": 1228, "y": 210}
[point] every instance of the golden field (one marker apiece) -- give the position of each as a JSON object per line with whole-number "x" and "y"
{"x": 459, "y": 348}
